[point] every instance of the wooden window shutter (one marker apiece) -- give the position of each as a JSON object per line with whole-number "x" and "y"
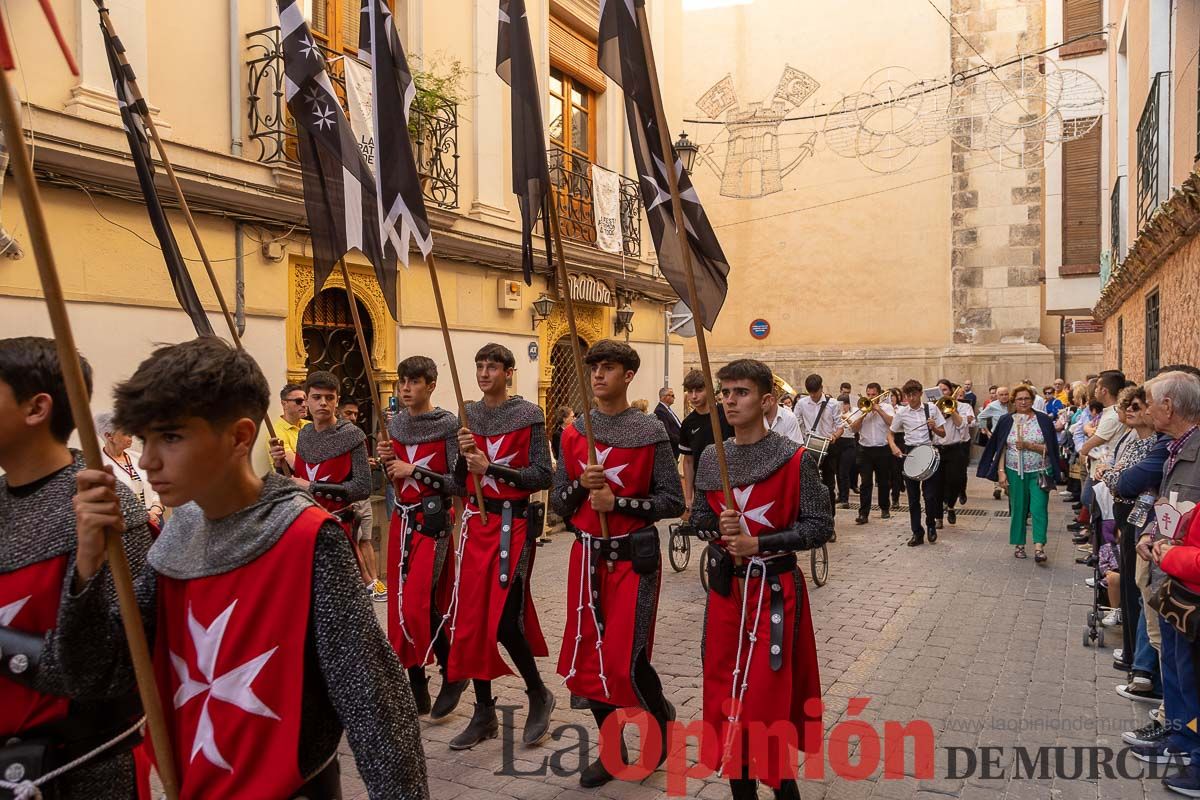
{"x": 1082, "y": 16}
{"x": 1081, "y": 205}
{"x": 572, "y": 53}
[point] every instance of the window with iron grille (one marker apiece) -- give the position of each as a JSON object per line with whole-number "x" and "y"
{"x": 1149, "y": 147}
{"x": 1152, "y": 331}
{"x": 1114, "y": 220}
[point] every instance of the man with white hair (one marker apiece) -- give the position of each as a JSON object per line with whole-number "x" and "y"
{"x": 667, "y": 416}
{"x": 114, "y": 448}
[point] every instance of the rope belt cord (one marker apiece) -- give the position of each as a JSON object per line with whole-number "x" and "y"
{"x": 451, "y": 614}
{"x": 585, "y": 541}
{"x": 29, "y": 790}
{"x": 738, "y": 693}
{"x": 405, "y": 531}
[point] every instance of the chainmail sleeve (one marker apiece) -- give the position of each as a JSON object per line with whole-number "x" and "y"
{"x": 367, "y": 686}
{"x": 566, "y": 495}
{"x": 814, "y": 523}
{"x": 666, "y": 490}
{"x": 704, "y": 517}
{"x": 454, "y": 485}
{"x": 540, "y": 472}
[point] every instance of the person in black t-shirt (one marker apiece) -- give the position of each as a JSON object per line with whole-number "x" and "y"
{"x": 695, "y": 432}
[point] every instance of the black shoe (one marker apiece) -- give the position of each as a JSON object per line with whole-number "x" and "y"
{"x": 447, "y": 699}
{"x": 951, "y": 517}
{"x": 860, "y": 520}
{"x": 1075, "y": 527}
{"x": 1149, "y": 735}
{"x": 1081, "y": 538}
{"x": 932, "y": 534}
{"x": 537, "y": 723}
{"x": 1122, "y": 666}
{"x": 596, "y": 774}
{"x": 420, "y": 690}
{"x": 996, "y": 493}
{"x": 885, "y": 514}
{"x": 962, "y": 499}
{"x": 483, "y": 726}
{"x": 916, "y": 540}
{"x": 833, "y": 537}
{"x": 1088, "y": 560}
{"x": 844, "y": 504}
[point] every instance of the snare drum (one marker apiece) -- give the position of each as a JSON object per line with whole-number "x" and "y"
{"x": 819, "y": 445}
{"x": 921, "y": 462}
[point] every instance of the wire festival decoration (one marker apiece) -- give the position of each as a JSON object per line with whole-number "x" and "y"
{"x": 1017, "y": 114}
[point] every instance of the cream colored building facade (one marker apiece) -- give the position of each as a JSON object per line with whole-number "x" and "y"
{"x": 874, "y": 244}
{"x": 210, "y": 72}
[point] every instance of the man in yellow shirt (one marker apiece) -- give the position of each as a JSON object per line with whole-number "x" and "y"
{"x": 288, "y": 426}
{"x": 1062, "y": 392}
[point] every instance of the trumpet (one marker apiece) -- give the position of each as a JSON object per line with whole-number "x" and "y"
{"x": 946, "y": 405}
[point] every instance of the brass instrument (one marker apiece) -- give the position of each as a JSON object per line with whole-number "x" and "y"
{"x": 946, "y": 405}
{"x": 782, "y": 387}
{"x": 865, "y": 406}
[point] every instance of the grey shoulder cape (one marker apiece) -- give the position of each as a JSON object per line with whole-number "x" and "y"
{"x": 432, "y": 426}
{"x": 631, "y": 428}
{"x": 315, "y": 446}
{"x": 747, "y": 463}
{"x": 513, "y": 414}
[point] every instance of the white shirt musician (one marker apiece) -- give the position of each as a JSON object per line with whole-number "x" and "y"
{"x": 960, "y": 431}
{"x": 920, "y": 421}
{"x": 784, "y": 423}
{"x": 820, "y": 416}
{"x": 873, "y": 428}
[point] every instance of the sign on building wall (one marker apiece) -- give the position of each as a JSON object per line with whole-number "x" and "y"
{"x": 588, "y": 289}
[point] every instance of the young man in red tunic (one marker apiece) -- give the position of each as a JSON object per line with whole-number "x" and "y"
{"x": 331, "y": 454}
{"x": 613, "y": 583}
{"x": 506, "y": 453}
{"x": 758, "y": 652}
{"x": 46, "y": 720}
{"x": 265, "y": 647}
{"x": 420, "y": 461}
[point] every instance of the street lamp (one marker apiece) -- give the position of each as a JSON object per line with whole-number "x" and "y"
{"x": 624, "y": 320}
{"x": 541, "y": 309}
{"x": 686, "y": 150}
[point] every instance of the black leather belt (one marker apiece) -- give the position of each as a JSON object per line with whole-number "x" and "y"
{"x": 40, "y": 750}
{"x": 784, "y": 564}
{"x": 429, "y": 507}
{"x": 508, "y": 511}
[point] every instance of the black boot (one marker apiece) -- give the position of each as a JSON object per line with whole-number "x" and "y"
{"x": 788, "y": 790}
{"x": 483, "y": 726}
{"x": 596, "y": 774}
{"x": 447, "y": 699}
{"x": 743, "y": 789}
{"x": 419, "y": 682}
{"x": 665, "y": 717}
{"x": 537, "y": 723}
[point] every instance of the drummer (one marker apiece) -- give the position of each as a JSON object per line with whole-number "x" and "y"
{"x": 919, "y": 421}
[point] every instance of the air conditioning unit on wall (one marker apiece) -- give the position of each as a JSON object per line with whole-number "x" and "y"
{"x": 508, "y": 294}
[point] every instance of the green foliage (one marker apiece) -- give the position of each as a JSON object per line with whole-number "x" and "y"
{"x": 440, "y": 82}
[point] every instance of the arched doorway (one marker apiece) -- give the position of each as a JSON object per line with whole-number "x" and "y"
{"x": 564, "y": 385}
{"x": 331, "y": 344}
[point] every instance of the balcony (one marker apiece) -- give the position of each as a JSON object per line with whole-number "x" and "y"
{"x": 433, "y": 125}
{"x": 1153, "y": 147}
{"x": 571, "y": 179}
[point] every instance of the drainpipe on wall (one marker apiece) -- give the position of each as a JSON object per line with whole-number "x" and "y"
{"x": 235, "y": 75}
{"x": 239, "y": 278}
{"x": 1062, "y": 347}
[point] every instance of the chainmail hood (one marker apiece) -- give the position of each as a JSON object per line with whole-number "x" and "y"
{"x": 748, "y": 463}
{"x": 431, "y": 426}
{"x": 631, "y": 428}
{"x": 193, "y": 546}
{"x": 315, "y": 446}
{"x": 513, "y": 414}
{"x": 42, "y": 525}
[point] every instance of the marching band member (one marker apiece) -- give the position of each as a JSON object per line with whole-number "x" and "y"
{"x": 48, "y": 721}
{"x": 875, "y": 459}
{"x": 919, "y": 421}
{"x": 265, "y": 648}
{"x": 818, "y": 415}
{"x": 613, "y": 583}
{"x": 507, "y": 454}
{"x": 955, "y": 447}
{"x": 759, "y": 654}
{"x": 420, "y": 458}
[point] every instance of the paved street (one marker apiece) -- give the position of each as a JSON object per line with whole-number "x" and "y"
{"x": 958, "y": 633}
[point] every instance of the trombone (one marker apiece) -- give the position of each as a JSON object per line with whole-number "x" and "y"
{"x": 865, "y": 406}
{"x": 946, "y": 405}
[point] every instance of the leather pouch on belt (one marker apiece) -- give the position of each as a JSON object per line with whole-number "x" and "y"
{"x": 719, "y": 564}
{"x": 27, "y": 760}
{"x": 535, "y": 520}
{"x": 644, "y": 552}
{"x": 434, "y": 519}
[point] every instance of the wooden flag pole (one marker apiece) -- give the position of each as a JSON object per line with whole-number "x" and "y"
{"x": 668, "y": 155}
{"x": 362, "y": 345}
{"x": 72, "y": 370}
{"x": 580, "y": 373}
{"x": 458, "y": 393}
{"x": 106, "y": 21}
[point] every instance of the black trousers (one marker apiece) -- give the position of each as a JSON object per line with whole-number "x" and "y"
{"x": 917, "y": 490}
{"x": 952, "y": 475}
{"x": 829, "y": 470}
{"x": 875, "y": 465}
{"x": 844, "y": 448}
{"x": 1127, "y": 565}
{"x": 897, "y": 471}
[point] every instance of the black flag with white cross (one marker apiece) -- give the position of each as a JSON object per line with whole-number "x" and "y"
{"x": 133, "y": 117}
{"x": 339, "y": 188}
{"x": 397, "y": 181}
{"x": 531, "y": 177}
{"x": 622, "y": 58}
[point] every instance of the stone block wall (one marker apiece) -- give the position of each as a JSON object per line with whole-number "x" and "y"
{"x": 996, "y": 259}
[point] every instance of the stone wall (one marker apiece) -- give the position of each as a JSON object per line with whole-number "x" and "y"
{"x": 1176, "y": 280}
{"x": 996, "y": 258}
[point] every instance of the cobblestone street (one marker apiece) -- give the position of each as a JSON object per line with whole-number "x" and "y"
{"x": 958, "y": 633}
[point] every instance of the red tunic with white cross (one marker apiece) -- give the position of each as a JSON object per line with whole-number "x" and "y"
{"x": 331, "y": 470}
{"x": 29, "y": 599}
{"x": 604, "y": 673}
{"x": 771, "y": 696}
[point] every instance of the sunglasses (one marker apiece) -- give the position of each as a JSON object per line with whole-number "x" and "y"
{"x": 1136, "y": 406}
{"x": 296, "y": 400}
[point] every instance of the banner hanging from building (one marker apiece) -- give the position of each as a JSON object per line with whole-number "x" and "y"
{"x": 358, "y": 98}
{"x": 606, "y": 209}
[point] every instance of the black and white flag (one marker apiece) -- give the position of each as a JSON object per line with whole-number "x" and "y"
{"x": 339, "y": 189}
{"x": 622, "y": 58}
{"x": 401, "y": 206}
{"x": 531, "y": 177}
{"x": 133, "y": 118}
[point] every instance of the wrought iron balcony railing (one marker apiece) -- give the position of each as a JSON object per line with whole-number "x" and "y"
{"x": 571, "y": 179}
{"x": 1114, "y": 219}
{"x": 433, "y": 125}
{"x": 1152, "y": 147}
